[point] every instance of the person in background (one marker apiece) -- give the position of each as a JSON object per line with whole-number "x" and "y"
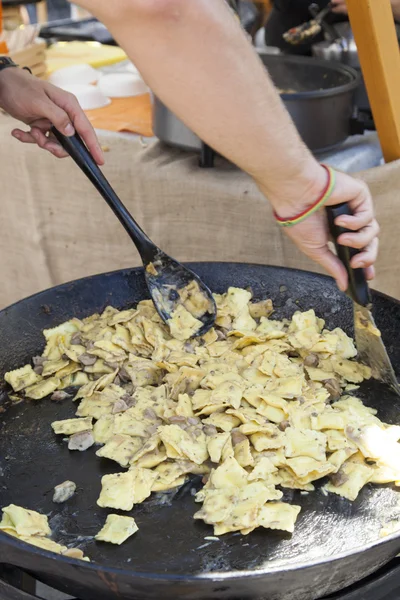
{"x": 57, "y": 9}
{"x": 40, "y": 104}
{"x": 197, "y": 59}
{"x": 286, "y": 14}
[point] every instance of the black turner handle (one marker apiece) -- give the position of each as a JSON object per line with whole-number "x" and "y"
{"x": 358, "y": 289}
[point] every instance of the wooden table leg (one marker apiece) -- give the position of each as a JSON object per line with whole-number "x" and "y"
{"x": 378, "y": 48}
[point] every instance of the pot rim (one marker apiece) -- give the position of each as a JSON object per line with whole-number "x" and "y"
{"x": 350, "y": 86}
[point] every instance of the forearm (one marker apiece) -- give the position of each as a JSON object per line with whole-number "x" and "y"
{"x": 195, "y": 57}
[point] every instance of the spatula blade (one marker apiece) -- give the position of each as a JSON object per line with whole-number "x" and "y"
{"x": 371, "y": 349}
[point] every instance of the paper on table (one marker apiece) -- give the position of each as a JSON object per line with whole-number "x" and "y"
{"x": 132, "y": 114}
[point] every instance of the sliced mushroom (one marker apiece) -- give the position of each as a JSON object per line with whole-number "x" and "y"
{"x": 76, "y": 339}
{"x": 311, "y": 360}
{"x": 177, "y": 420}
{"x": 150, "y": 414}
{"x": 38, "y": 361}
{"x": 81, "y": 441}
{"x": 221, "y": 335}
{"x": 60, "y": 395}
{"x": 210, "y": 430}
{"x": 334, "y": 389}
{"x": 87, "y": 360}
{"x": 283, "y": 425}
{"x": 119, "y": 406}
{"x": 124, "y": 375}
{"x": 64, "y": 492}
{"x": 339, "y": 478}
{"x": 238, "y": 437}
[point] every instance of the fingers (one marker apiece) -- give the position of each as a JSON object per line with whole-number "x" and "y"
{"x": 370, "y": 273}
{"x": 87, "y": 133}
{"x": 367, "y": 257}
{"x": 362, "y": 225}
{"x": 23, "y": 136}
{"x": 362, "y": 238}
{"x": 36, "y": 136}
{"x": 48, "y": 143}
{"x": 79, "y": 122}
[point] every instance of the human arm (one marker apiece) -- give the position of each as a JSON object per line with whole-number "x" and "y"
{"x": 39, "y": 104}
{"x": 196, "y": 58}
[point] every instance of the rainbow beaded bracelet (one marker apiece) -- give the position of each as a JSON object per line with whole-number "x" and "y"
{"x": 326, "y": 194}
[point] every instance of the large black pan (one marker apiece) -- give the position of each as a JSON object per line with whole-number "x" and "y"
{"x": 336, "y": 542}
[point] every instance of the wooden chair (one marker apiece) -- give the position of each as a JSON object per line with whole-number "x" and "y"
{"x": 378, "y": 48}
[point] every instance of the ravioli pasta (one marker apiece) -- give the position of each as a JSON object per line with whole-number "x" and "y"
{"x": 33, "y": 528}
{"x": 255, "y": 406}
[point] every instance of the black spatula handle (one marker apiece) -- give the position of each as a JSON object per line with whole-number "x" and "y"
{"x": 76, "y": 148}
{"x": 358, "y": 289}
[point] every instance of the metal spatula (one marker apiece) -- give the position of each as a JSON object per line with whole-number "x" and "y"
{"x": 370, "y": 347}
{"x": 170, "y": 283}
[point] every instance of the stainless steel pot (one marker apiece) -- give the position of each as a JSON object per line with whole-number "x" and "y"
{"x": 321, "y": 106}
{"x": 344, "y": 50}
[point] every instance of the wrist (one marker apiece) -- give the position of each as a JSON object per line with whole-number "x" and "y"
{"x": 298, "y": 191}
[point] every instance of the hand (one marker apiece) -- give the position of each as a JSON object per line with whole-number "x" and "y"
{"x": 40, "y": 104}
{"x": 339, "y": 7}
{"x": 312, "y": 235}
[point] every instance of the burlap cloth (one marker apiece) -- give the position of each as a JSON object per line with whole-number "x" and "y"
{"x": 54, "y": 227}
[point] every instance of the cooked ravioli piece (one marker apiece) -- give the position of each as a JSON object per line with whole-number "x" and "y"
{"x": 71, "y": 426}
{"x": 121, "y": 449}
{"x": 117, "y": 529}
{"x": 42, "y": 389}
{"x": 117, "y": 491}
{"x": 279, "y": 515}
{"x": 22, "y": 378}
{"x": 25, "y": 522}
{"x": 183, "y": 325}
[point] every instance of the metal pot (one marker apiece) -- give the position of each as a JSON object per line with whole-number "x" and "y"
{"x": 321, "y": 106}
{"x": 344, "y": 50}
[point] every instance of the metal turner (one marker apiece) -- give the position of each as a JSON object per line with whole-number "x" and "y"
{"x": 369, "y": 343}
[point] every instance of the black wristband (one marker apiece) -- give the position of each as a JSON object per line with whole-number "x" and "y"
{"x": 6, "y": 63}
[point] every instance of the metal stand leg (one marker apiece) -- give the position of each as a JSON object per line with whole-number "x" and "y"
{"x": 207, "y": 157}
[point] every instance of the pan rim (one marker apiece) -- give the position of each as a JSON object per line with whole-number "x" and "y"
{"x": 211, "y": 575}
{"x": 191, "y": 265}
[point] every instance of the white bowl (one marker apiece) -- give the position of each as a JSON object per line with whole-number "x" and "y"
{"x": 75, "y": 75}
{"x": 131, "y": 68}
{"x": 122, "y": 85}
{"x": 89, "y": 96}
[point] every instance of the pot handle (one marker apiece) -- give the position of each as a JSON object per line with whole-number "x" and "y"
{"x": 358, "y": 289}
{"x": 360, "y": 122}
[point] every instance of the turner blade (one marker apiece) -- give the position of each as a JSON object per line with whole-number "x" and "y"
{"x": 371, "y": 349}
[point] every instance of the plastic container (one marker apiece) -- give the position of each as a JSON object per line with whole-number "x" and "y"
{"x": 75, "y": 75}
{"x": 89, "y": 97}
{"x": 122, "y": 85}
